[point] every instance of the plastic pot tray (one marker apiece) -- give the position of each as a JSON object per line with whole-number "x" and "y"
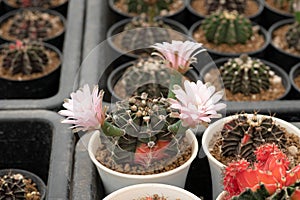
{"x": 36, "y": 141}
{"x": 71, "y": 61}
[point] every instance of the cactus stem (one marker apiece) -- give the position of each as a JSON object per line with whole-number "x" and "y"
{"x": 175, "y": 79}
{"x": 177, "y": 128}
{"x": 111, "y": 130}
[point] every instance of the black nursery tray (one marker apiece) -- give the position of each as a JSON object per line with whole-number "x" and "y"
{"x": 71, "y": 51}
{"x": 36, "y": 141}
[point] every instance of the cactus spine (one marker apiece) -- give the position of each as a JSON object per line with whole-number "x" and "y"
{"x": 227, "y": 27}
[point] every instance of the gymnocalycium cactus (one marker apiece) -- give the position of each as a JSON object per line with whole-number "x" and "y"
{"x": 227, "y": 27}
{"x": 16, "y": 186}
{"x": 269, "y": 177}
{"x": 142, "y": 130}
{"x": 293, "y": 34}
{"x": 32, "y": 24}
{"x": 242, "y": 135}
{"x": 230, "y": 5}
{"x": 245, "y": 75}
{"x": 24, "y": 57}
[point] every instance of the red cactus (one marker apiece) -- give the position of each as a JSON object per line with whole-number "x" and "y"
{"x": 271, "y": 169}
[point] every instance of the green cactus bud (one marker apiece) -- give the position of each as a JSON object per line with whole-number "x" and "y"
{"x": 24, "y": 57}
{"x": 245, "y": 75}
{"x": 230, "y": 5}
{"x": 227, "y": 27}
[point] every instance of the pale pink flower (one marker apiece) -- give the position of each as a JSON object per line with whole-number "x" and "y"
{"x": 84, "y": 109}
{"x": 178, "y": 55}
{"x": 197, "y": 103}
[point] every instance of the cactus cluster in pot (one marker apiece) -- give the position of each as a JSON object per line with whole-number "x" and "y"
{"x": 144, "y": 131}
{"x": 230, "y": 5}
{"x": 269, "y": 176}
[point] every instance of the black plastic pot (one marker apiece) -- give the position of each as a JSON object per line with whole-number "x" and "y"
{"x": 274, "y": 54}
{"x": 63, "y": 8}
{"x": 117, "y": 73}
{"x": 271, "y": 16}
{"x": 217, "y": 54}
{"x": 36, "y": 141}
{"x": 119, "y": 15}
{"x": 56, "y": 40}
{"x": 40, "y": 185}
{"x": 72, "y": 50}
{"x": 37, "y": 88}
{"x": 119, "y": 27}
{"x": 294, "y": 72}
{"x": 196, "y": 16}
{"x": 278, "y": 71}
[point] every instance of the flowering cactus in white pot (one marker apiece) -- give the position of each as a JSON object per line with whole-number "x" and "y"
{"x": 145, "y": 139}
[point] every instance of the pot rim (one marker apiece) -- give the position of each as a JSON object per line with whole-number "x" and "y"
{"x": 212, "y": 130}
{"x": 150, "y": 186}
{"x": 195, "y": 148}
{"x": 267, "y": 6}
{"x": 292, "y": 75}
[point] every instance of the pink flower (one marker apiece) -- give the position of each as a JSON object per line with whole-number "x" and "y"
{"x": 196, "y": 103}
{"x": 84, "y": 109}
{"x": 179, "y": 55}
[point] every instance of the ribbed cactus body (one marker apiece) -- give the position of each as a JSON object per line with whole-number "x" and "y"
{"x": 24, "y": 58}
{"x": 230, "y": 5}
{"x": 293, "y": 36}
{"x": 145, "y": 124}
{"x": 140, "y": 34}
{"x": 227, "y": 27}
{"x": 245, "y": 75}
{"x": 241, "y": 136}
{"x": 32, "y": 24}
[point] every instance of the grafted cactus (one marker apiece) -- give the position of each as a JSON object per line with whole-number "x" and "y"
{"x": 24, "y": 57}
{"x": 147, "y": 75}
{"x": 230, "y": 5}
{"x": 17, "y": 187}
{"x": 241, "y": 136}
{"x": 227, "y": 27}
{"x": 269, "y": 177}
{"x": 293, "y": 34}
{"x": 33, "y": 24}
{"x": 148, "y": 135}
{"x": 245, "y": 75}
{"x": 140, "y": 33}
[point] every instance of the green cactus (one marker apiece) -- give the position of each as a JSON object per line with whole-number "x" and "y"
{"x": 146, "y": 129}
{"x": 241, "y": 136}
{"x": 230, "y": 5}
{"x": 292, "y": 36}
{"x": 227, "y": 27}
{"x": 245, "y": 75}
{"x": 32, "y": 24}
{"x": 24, "y": 57}
{"x": 148, "y": 6}
{"x": 147, "y": 75}
{"x": 140, "y": 33}
{"x": 17, "y": 187}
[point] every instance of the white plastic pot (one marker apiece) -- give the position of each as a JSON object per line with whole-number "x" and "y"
{"x": 149, "y": 189}
{"x": 221, "y": 196}
{"x": 113, "y": 180}
{"x": 217, "y": 167}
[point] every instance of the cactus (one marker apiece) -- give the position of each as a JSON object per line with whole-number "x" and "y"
{"x": 151, "y": 7}
{"x": 292, "y": 36}
{"x": 147, "y": 133}
{"x": 32, "y": 24}
{"x": 16, "y": 186}
{"x": 24, "y": 57}
{"x": 241, "y": 136}
{"x": 269, "y": 177}
{"x": 138, "y": 34}
{"x": 284, "y": 5}
{"x": 230, "y": 5}
{"x": 227, "y": 27}
{"x": 245, "y": 75}
{"x": 147, "y": 75}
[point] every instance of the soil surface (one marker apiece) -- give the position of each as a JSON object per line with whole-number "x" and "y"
{"x": 297, "y": 81}
{"x": 121, "y": 5}
{"x": 275, "y": 91}
{"x": 104, "y": 157}
{"x": 255, "y": 43}
{"x": 292, "y": 140}
{"x": 199, "y": 6}
{"x": 284, "y": 9}
{"x": 156, "y": 197}
{"x": 54, "y": 3}
{"x": 57, "y": 28}
{"x": 278, "y": 40}
{"x": 53, "y": 64}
